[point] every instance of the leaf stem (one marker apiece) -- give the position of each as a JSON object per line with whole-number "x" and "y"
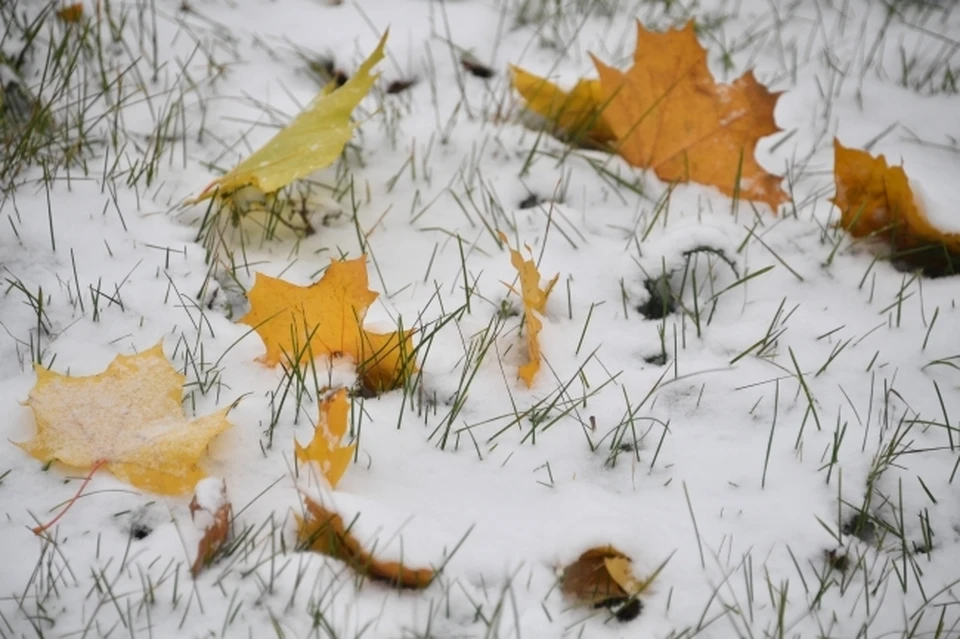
{"x": 37, "y": 530}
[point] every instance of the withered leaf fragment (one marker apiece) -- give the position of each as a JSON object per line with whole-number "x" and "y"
{"x": 211, "y": 500}
{"x": 323, "y": 531}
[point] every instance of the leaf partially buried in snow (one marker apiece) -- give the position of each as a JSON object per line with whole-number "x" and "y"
{"x": 534, "y": 304}
{"x": 297, "y": 323}
{"x": 670, "y": 115}
{"x": 128, "y": 418}
{"x": 323, "y": 531}
{"x": 216, "y": 513}
{"x": 312, "y": 141}
{"x": 577, "y": 114}
{"x": 325, "y": 449}
{"x": 876, "y": 200}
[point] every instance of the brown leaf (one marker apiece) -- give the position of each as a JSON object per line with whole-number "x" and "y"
{"x": 600, "y": 575}
{"x": 218, "y": 531}
{"x": 323, "y": 531}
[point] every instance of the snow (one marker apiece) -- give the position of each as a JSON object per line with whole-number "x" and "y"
{"x": 816, "y": 382}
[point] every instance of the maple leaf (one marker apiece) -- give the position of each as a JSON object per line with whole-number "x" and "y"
{"x": 323, "y": 531}
{"x": 577, "y": 113}
{"x": 326, "y": 318}
{"x": 325, "y": 448}
{"x": 210, "y": 498}
{"x": 312, "y": 141}
{"x": 534, "y": 303}
{"x": 876, "y": 200}
{"x": 669, "y": 114}
{"x": 128, "y": 418}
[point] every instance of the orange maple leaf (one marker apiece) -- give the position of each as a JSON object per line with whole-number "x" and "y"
{"x": 297, "y": 323}
{"x": 669, "y": 114}
{"x": 534, "y": 303}
{"x": 876, "y": 200}
{"x": 325, "y": 448}
{"x": 128, "y": 418}
{"x": 323, "y": 531}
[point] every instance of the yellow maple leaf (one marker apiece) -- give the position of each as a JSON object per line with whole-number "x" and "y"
{"x": 128, "y": 418}
{"x": 312, "y": 141}
{"x": 534, "y": 303}
{"x": 577, "y": 113}
{"x": 323, "y": 531}
{"x": 325, "y": 448}
{"x": 876, "y": 200}
{"x": 670, "y": 115}
{"x": 326, "y": 318}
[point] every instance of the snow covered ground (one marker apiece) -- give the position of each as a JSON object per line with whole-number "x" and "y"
{"x": 787, "y": 436}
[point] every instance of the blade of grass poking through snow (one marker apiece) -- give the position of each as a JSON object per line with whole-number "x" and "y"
{"x": 314, "y": 140}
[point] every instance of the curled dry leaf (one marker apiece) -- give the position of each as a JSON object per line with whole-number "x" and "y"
{"x": 128, "y": 419}
{"x": 601, "y": 575}
{"x": 210, "y": 498}
{"x": 534, "y": 304}
{"x": 578, "y": 114}
{"x": 876, "y": 200}
{"x": 325, "y": 448}
{"x": 312, "y": 141}
{"x": 297, "y": 323}
{"x": 323, "y": 531}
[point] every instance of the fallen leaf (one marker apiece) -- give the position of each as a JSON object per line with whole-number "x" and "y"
{"x": 128, "y": 418}
{"x": 669, "y": 114}
{"x": 297, "y": 323}
{"x": 534, "y": 303}
{"x": 312, "y": 141}
{"x": 876, "y": 200}
{"x": 600, "y": 575}
{"x": 323, "y": 531}
{"x": 325, "y": 448}
{"x": 72, "y": 13}
{"x": 210, "y": 498}
{"x": 577, "y": 113}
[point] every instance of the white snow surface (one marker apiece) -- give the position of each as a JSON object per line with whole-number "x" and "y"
{"x": 659, "y": 436}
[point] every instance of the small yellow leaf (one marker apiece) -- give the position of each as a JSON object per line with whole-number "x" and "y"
{"x": 129, "y": 418}
{"x": 325, "y": 448}
{"x": 323, "y": 532}
{"x": 577, "y": 114}
{"x": 312, "y": 141}
{"x": 534, "y": 302}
